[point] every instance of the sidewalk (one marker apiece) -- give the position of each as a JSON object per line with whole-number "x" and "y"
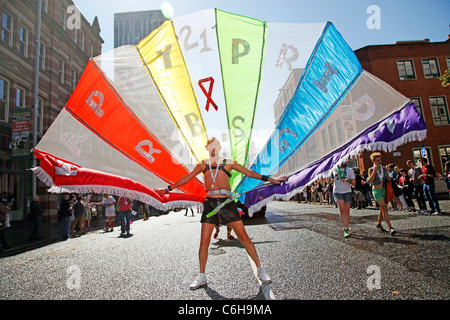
{"x": 17, "y": 235}
{"x": 444, "y": 204}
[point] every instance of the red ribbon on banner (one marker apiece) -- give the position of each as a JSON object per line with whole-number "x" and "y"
{"x": 208, "y": 93}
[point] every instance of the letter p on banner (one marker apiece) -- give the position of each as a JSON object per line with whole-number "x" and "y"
{"x": 238, "y": 54}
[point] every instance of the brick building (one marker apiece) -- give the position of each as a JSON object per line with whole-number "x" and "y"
{"x": 413, "y": 68}
{"x": 68, "y": 40}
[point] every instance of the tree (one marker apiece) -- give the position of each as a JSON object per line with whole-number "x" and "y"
{"x": 445, "y": 78}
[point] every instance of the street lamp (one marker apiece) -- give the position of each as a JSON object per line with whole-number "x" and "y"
{"x": 36, "y": 90}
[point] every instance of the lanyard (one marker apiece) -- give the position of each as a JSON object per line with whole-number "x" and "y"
{"x": 342, "y": 176}
{"x": 380, "y": 176}
{"x": 214, "y": 175}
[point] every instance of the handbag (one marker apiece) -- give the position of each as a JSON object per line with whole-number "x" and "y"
{"x": 390, "y": 193}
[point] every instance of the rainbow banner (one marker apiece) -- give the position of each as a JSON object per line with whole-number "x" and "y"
{"x": 282, "y": 98}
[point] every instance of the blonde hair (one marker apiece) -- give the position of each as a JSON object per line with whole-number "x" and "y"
{"x": 211, "y": 140}
{"x": 375, "y": 155}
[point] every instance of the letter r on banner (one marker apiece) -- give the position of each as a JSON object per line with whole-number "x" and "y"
{"x": 147, "y": 154}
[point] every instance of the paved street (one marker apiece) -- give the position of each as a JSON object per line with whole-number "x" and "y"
{"x": 301, "y": 246}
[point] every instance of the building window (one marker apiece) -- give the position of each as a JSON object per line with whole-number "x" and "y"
{"x": 61, "y": 71}
{"x": 331, "y": 135}
{"x": 444, "y": 154}
{"x": 340, "y": 135}
{"x": 73, "y": 79}
{"x": 417, "y": 154}
{"x": 3, "y": 100}
{"x": 20, "y": 97}
{"x": 45, "y": 6}
{"x": 82, "y": 40}
{"x": 325, "y": 140}
{"x": 23, "y": 41}
{"x": 405, "y": 70}
{"x": 448, "y": 62}
{"x": 418, "y": 103}
{"x": 75, "y": 36}
{"x": 63, "y": 19}
{"x": 42, "y": 56}
{"x": 7, "y": 28}
{"x": 430, "y": 68}
{"x": 439, "y": 111}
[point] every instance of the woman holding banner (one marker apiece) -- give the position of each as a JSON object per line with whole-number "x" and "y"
{"x": 379, "y": 178}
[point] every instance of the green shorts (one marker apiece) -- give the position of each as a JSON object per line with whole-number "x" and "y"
{"x": 379, "y": 194}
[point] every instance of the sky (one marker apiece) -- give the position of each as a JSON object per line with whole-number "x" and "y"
{"x": 392, "y": 20}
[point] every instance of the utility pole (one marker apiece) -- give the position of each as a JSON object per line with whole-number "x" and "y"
{"x": 36, "y": 90}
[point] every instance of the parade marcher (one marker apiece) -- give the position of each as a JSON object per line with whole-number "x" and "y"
{"x": 35, "y": 216}
{"x": 331, "y": 192}
{"x": 344, "y": 178}
{"x": 429, "y": 188}
{"x": 359, "y": 186}
{"x": 400, "y": 197}
{"x": 217, "y": 175}
{"x": 320, "y": 191}
{"x": 4, "y": 211}
{"x": 65, "y": 212}
{"x": 109, "y": 203}
{"x": 125, "y": 215}
{"x": 447, "y": 175}
{"x": 396, "y": 203}
{"x": 406, "y": 185}
{"x": 87, "y": 211}
{"x": 229, "y": 229}
{"x": 305, "y": 195}
{"x": 366, "y": 188}
{"x": 378, "y": 176}
{"x": 187, "y": 209}
{"x": 414, "y": 173}
{"x": 78, "y": 212}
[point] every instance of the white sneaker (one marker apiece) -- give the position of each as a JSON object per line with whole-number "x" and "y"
{"x": 263, "y": 276}
{"x": 199, "y": 282}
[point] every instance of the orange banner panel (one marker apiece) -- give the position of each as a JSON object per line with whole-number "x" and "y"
{"x": 99, "y": 107}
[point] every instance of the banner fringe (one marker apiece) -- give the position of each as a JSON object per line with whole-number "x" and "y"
{"x": 104, "y": 189}
{"x": 375, "y": 146}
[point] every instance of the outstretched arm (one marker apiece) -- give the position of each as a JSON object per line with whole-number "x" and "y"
{"x": 195, "y": 172}
{"x": 255, "y": 175}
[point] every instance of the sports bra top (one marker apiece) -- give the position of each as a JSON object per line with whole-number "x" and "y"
{"x": 377, "y": 180}
{"x": 221, "y": 167}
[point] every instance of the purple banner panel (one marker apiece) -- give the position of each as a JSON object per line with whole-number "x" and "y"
{"x": 401, "y": 127}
